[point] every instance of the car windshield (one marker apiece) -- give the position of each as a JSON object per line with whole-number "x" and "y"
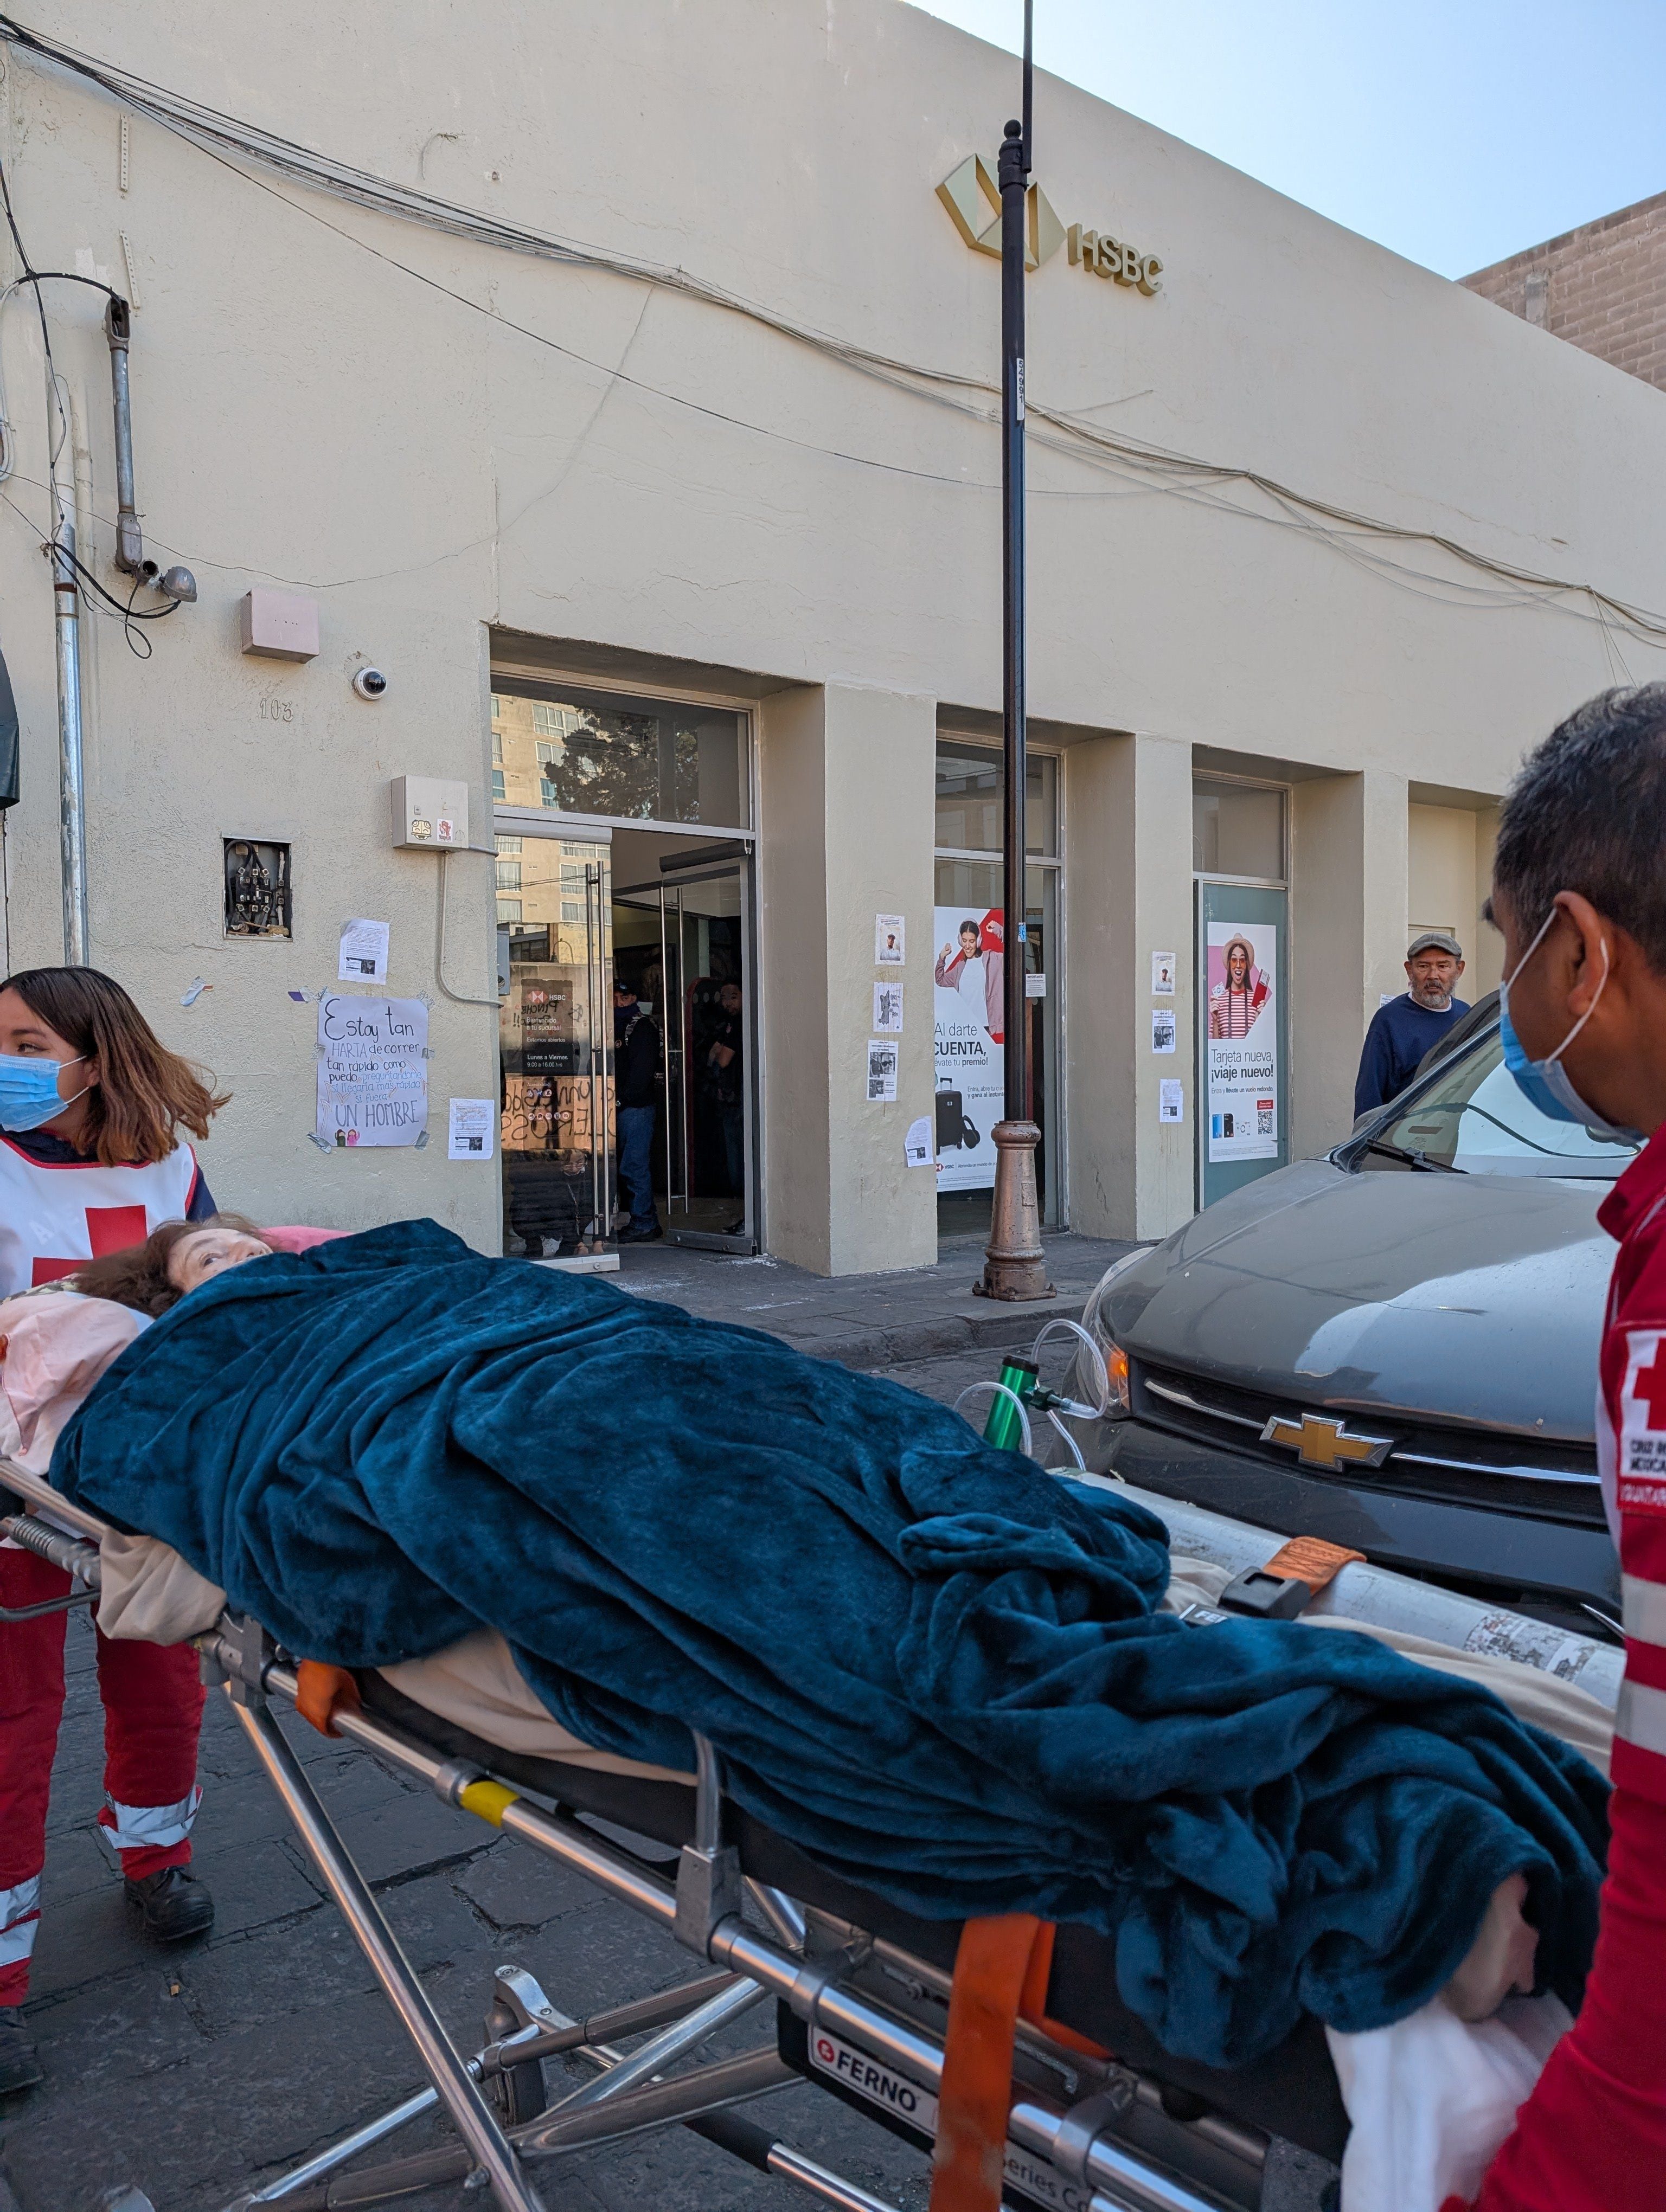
{"x": 1473, "y": 1116}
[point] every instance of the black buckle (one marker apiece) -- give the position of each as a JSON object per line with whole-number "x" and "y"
{"x": 1264, "y": 1596}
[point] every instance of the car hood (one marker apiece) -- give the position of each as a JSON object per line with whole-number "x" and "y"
{"x": 1476, "y": 1299}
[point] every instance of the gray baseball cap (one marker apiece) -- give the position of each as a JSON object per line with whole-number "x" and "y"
{"x": 1435, "y": 940}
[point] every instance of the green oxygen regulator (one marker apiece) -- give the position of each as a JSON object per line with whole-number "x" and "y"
{"x": 1021, "y": 1377}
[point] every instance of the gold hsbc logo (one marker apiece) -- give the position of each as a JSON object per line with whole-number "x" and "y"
{"x": 973, "y": 199}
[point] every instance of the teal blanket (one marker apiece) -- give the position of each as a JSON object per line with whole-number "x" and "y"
{"x": 936, "y": 1669}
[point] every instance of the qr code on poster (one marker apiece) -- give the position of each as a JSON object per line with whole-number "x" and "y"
{"x": 1263, "y": 1117}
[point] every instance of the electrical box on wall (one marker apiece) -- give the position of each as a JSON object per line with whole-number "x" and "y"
{"x": 427, "y": 810}
{"x": 279, "y": 625}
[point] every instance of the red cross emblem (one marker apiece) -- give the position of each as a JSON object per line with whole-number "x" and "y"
{"x": 1648, "y": 1386}
{"x": 109, "y": 1229}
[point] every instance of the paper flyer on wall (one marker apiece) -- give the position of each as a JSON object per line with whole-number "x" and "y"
{"x": 888, "y": 1009}
{"x": 882, "y": 1057}
{"x": 362, "y": 957}
{"x": 372, "y": 1074}
{"x": 968, "y": 986}
{"x": 469, "y": 1135}
{"x": 1241, "y": 1040}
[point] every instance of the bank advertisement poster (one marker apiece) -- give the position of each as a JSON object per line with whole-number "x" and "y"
{"x": 1241, "y": 1040}
{"x": 969, "y": 984}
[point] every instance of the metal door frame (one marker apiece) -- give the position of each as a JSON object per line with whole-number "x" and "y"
{"x": 700, "y": 867}
{"x": 598, "y": 922}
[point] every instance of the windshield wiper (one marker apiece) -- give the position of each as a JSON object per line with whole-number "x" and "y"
{"x": 1418, "y": 1160}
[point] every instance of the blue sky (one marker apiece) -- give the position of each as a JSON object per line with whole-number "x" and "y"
{"x": 1455, "y": 133}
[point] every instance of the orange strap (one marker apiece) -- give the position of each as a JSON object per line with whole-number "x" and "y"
{"x": 322, "y": 1691}
{"x": 990, "y": 1967}
{"x": 1032, "y": 2004}
{"x": 1308, "y": 1560}
{"x": 1001, "y": 1972}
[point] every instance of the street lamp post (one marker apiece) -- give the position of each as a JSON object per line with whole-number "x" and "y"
{"x": 1013, "y": 1265}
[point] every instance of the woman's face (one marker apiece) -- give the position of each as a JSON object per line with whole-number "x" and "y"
{"x": 25, "y": 1036}
{"x": 968, "y": 943}
{"x": 206, "y": 1253}
{"x": 1238, "y": 966}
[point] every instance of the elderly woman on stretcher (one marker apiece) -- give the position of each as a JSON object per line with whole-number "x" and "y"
{"x": 584, "y": 1524}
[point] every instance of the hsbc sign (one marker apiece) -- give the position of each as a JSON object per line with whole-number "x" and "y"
{"x": 973, "y": 199}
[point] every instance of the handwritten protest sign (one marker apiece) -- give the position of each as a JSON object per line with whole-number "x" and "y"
{"x": 372, "y": 1075}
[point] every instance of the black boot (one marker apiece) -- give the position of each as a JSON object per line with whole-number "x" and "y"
{"x": 174, "y": 1905}
{"x": 20, "y": 2064}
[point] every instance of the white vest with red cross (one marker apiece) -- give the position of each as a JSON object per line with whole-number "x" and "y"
{"x": 53, "y": 1219}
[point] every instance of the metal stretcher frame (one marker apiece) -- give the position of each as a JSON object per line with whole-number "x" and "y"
{"x": 860, "y": 2017}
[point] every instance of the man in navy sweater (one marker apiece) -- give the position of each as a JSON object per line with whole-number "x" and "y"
{"x": 1403, "y": 1030}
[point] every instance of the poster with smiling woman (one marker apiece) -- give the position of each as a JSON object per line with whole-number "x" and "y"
{"x": 1242, "y": 1040}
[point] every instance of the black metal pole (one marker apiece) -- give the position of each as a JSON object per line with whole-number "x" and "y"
{"x": 1013, "y": 178}
{"x": 1014, "y": 1265}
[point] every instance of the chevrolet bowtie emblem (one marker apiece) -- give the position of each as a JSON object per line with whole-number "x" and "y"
{"x": 1321, "y": 1442}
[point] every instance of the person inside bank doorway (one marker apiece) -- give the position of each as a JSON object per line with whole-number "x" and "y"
{"x": 1401, "y": 1032}
{"x": 726, "y": 1063}
{"x": 92, "y": 1159}
{"x": 636, "y": 1088}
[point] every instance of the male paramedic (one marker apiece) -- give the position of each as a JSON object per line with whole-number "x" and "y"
{"x": 1411, "y": 1025}
{"x": 1579, "y": 892}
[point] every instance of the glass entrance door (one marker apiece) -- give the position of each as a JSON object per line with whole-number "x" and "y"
{"x": 701, "y": 996}
{"x": 556, "y": 1035}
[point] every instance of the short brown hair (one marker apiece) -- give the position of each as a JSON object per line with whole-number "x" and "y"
{"x": 139, "y": 1277}
{"x": 145, "y": 1093}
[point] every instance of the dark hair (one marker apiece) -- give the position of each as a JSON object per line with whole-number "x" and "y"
{"x": 969, "y": 924}
{"x": 139, "y": 1277}
{"x": 1587, "y": 813}
{"x": 144, "y": 1091}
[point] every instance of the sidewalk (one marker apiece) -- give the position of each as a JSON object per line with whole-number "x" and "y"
{"x": 869, "y": 1321}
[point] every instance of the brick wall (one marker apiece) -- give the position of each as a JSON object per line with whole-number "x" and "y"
{"x": 1603, "y": 287}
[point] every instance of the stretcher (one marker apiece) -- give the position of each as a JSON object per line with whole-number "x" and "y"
{"x": 856, "y": 1995}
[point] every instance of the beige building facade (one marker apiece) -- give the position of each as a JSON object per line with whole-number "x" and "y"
{"x": 630, "y": 411}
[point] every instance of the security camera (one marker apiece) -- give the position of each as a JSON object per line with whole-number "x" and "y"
{"x": 370, "y": 684}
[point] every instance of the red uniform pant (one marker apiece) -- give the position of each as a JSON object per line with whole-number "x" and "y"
{"x": 152, "y": 1710}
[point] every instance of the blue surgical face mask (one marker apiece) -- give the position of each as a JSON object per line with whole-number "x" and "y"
{"x": 1545, "y": 1083}
{"x": 29, "y": 1090}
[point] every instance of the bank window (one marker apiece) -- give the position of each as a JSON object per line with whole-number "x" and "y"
{"x": 1237, "y": 829}
{"x": 972, "y": 784}
{"x": 626, "y": 759}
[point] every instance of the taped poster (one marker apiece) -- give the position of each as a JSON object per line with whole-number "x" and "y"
{"x": 969, "y": 999}
{"x": 1241, "y": 1040}
{"x": 372, "y": 1071}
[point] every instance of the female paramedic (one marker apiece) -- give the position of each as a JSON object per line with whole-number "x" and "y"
{"x": 1579, "y": 891}
{"x": 91, "y": 1160}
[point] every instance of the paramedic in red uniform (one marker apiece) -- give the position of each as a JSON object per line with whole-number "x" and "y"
{"x": 91, "y": 1160}
{"x": 1579, "y": 891}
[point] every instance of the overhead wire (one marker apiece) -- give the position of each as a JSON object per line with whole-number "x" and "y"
{"x": 221, "y": 135}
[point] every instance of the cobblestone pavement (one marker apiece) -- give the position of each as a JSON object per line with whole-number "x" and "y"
{"x": 188, "y": 2072}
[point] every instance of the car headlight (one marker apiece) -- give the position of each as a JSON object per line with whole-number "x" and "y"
{"x": 1116, "y": 1359}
